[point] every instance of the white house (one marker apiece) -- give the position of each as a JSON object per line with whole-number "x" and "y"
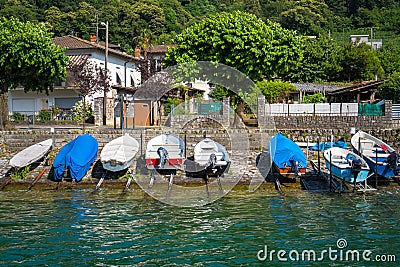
{"x": 364, "y": 38}
{"x": 122, "y": 67}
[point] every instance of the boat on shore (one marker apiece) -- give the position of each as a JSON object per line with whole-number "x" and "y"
{"x": 76, "y": 157}
{"x": 119, "y": 153}
{"x": 346, "y": 165}
{"x": 288, "y": 158}
{"x": 210, "y": 159}
{"x": 380, "y": 157}
{"x": 31, "y": 154}
{"x": 165, "y": 152}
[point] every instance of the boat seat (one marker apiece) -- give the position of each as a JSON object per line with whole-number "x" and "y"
{"x": 164, "y": 145}
{"x": 372, "y": 154}
{"x": 367, "y": 144}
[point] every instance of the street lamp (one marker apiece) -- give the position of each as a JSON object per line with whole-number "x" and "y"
{"x": 106, "y": 70}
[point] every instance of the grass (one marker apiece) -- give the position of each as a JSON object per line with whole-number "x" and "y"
{"x": 20, "y": 174}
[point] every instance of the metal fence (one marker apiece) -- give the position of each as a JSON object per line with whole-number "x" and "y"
{"x": 396, "y": 111}
{"x": 31, "y": 117}
{"x": 197, "y": 107}
{"x": 338, "y": 109}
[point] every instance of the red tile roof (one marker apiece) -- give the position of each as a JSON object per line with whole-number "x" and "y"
{"x": 73, "y": 42}
{"x": 159, "y": 48}
{"x": 77, "y": 59}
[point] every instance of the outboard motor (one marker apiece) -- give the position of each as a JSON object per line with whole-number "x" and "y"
{"x": 212, "y": 162}
{"x": 356, "y": 166}
{"x": 295, "y": 167}
{"x": 392, "y": 160}
{"x": 163, "y": 154}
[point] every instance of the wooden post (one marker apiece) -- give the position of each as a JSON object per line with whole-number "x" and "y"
{"x": 330, "y": 171}
{"x": 319, "y": 161}
{"x": 185, "y": 146}
{"x": 376, "y": 168}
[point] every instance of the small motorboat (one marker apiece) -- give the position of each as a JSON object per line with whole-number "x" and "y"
{"x": 288, "y": 158}
{"x": 210, "y": 159}
{"x": 346, "y": 165}
{"x": 31, "y": 154}
{"x": 381, "y": 158}
{"x": 77, "y": 156}
{"x": 120, "y": 153}
{"x": 165, "y": 152}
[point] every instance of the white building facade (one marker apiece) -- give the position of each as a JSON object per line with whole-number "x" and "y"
{"x": 122, "y": 68}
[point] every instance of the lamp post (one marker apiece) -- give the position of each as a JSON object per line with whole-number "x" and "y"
{"x": 106, "y": 70}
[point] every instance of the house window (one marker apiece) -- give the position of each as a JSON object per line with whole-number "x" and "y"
{"x": 118, "y": 78}
{"x": 132, "y": 82}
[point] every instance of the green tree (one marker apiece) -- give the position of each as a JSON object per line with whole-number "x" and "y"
{"x": 239, "y": 40}
{"x": 20, "y": 9}
{"x": 391, "y": 89}
{"x": 389, "y": 56}
{"x": 306, "y": 16}
{"x": 275, "y": 91}
{"x": 359, "y": 62}
{"x": 28, "y": 58}
{"x": 321, "y": 60}
{"x": 314, "y": 98}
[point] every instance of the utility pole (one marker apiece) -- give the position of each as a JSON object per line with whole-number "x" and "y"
{"x": 106, "y": 74}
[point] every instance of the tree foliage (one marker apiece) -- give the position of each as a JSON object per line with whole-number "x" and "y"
{"x": 239, "y": 40}
{"x": 391, "y": 88}
{"x": 314, "y": 98}
{"x": 320, "y": 62}
{"x": 28, "y": 57}
{"x": 275, "y": 91}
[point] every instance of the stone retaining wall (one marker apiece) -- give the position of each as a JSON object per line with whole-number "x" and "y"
{"x": 18, "y": 140}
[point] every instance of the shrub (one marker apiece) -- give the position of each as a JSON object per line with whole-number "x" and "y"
{"x": 45, "y": 115}
{"x": 16, "y": 116}
{"x": 78, "y": 114}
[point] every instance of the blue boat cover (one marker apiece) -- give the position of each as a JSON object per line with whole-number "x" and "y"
{"x": 327, "y": 145}
{"x": 283, "y": 150}
{"x": 77, "y": 155}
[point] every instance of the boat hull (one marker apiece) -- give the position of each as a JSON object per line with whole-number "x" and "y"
{"x": 31, "y": 154}
{"x": 340, "y": 163}
{"x": 285, "y": 153}
{"x": 347, "y": 174}
{"x": 174, "y": 148}
{"x": 371, "y": 149}
{"x": 119, "y": 154}
{"x": 289, "y": 171}
{"x": 153, "y": 163}
{"x": 201, "y": 166}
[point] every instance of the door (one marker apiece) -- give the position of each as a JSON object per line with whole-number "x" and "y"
{"x": 142, "y": 110}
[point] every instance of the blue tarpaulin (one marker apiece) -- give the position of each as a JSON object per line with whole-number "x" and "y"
{"x": 77, "y": 155}
{"x": 327, "y": 145}
{"x": 283, "y": 150}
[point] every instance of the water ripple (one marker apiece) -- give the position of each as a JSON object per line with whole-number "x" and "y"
{"x": 78, "y": 228}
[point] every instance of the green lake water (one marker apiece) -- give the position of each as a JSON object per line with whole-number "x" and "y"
{"x": 77, "y": 228}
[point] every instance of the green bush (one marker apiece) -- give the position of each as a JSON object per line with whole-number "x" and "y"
{"x": 45, "y": 115}
{"x": 315, "y": 98}
{"x": 16, "y": 116}
{"x": 78, "y": 114}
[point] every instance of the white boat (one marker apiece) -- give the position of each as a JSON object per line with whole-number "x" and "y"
{"x": 345, "y": 164}
{"x": 210, "y": 158}
{"x": 119, "y": 153}
{"x": 381, "y": 158}
{"x": 31, "y": 154}
{"x": 165, "y": 152}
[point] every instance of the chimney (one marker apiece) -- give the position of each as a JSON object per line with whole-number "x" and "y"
{"x": 137, "y": 52}
{"x": 93, "y": 38}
